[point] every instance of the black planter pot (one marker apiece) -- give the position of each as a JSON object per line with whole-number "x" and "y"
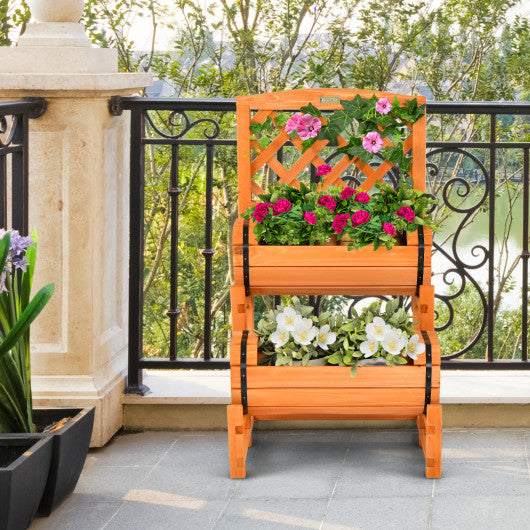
{"x": 70, "y": 447}
{"x": 22, "y": 481}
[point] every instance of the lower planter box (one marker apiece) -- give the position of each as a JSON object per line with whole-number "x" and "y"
{"x": 24, "y": 465}
{"x": 70, "y": 447}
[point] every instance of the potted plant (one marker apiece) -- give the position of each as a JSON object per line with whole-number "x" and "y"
{"x": 70, "y": 437}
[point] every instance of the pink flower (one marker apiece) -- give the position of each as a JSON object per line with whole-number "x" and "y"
{"x": 360, "y": 217}
{"x": 389, "y": 229}
{"x": 261, "y": 210}
{"x": 328, "y": 201}
{"x": 324, "y": 169}
{"x": 383, "y": 106}
{"x": 372, "y": 142}
{"x": 308, "y": 126}
{"x": 280, "y": 206}
{"x": 292, "y": 123}
{"x": 362, "y": 197}
{"x": 310, "y": 217}
{"x": 340, "y": 222}
{"x": 346, "y": 193}
{"x": 407, "y": 213}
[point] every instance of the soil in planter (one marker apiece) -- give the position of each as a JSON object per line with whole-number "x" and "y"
{"x": 53, "y": 427}
{"x": 10, "y": 453}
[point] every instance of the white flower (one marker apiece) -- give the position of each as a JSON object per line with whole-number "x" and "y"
{"x": 376, "y": 329}
{"x": 304, "y": 335}
{"x": 280, "y": 337}
{"x": 288, "y": 319}
{"x": 415, "y": 348}
{"x": 393, "y": 342}
{"x": 307, "y": 322}
{"x": 325, "y": 337}
{"x": 369, "y": 347}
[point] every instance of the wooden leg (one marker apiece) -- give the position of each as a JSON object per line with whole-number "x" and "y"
{"x": 430, "y": 438}
{"x": 239, "y": 439}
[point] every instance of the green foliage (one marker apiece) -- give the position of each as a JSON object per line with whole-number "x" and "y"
{"x": 17, "y": 313}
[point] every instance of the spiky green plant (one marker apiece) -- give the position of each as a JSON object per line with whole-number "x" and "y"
{"x": 17, "y": 312}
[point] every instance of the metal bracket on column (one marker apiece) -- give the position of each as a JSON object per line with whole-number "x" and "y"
{"x": 246, "y": 270}
{"x": 428, "y": 369}
{"x": 243, "y": 371}
{"x": 421, "y": 259}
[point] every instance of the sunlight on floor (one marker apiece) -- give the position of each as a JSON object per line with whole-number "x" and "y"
{"x": 163, "y": 498}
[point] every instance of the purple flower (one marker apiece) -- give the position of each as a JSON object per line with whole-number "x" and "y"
{"x": 310, "y": 217}
{"x": 362, "y": 197}
{"x": 292, "y": 122}
{"x": 383, "y": 106}
{"x": 281, "y": 206}
{"x": 389, "y": 228}
{"x": 360, "y": 217}
{"x": 308, "y": 126}
{"x": 16, "y": 257}
{"x": 328, "y": 201}
{"x": 323, "y": 169}
{"x": 407, "y": 213}
{"x": 261, "y": 210}
{"x": 346, "y": 193}
{"x": 372, "y": 142}
{"x": 340, "y": 221}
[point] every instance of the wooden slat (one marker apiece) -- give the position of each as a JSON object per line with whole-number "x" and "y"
{"x": 318, "y": 397}
{"x": 252, "y": 349}
{"x": 332, "y": 412}
{"x": 334, "y": 377}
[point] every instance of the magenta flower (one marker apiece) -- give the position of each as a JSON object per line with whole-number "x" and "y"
{"x": 383, "y": 106}
{"x": 323, "y": 169}
{"x": 372, "y": 142}
{"x": 346, "y": 193}
{"x": 362, "y": 197}
{"x": 360, "y": 217}
{"x": 407, "y": 213}
{"x": 389, "y": 229}
{"x": 310, "y": 217}
{"x": 292, "y": 123}
{"x": 328, "y": 201}
{"x": 340, "y": 222}
{"x": 261, "y": 210}
{"x": 308, "y": 126}
{"x": 281, "y": 206}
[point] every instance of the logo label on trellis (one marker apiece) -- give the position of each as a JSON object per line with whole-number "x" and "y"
{"x": 330, "y": 100}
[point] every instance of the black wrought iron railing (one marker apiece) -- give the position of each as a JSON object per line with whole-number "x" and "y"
{"x": 478, "y": 167}
{"x": 14, "y": 121}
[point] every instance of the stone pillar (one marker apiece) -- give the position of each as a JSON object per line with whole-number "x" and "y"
{"x": 79, "y": 205}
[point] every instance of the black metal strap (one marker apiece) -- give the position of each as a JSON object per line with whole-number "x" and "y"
{"x": 246, "y": 270}
{"x": 421, "y": 259}
{"x": 243, "y": 371}
{"x": 428, "y": 369}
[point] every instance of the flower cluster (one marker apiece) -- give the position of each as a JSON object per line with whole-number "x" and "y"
{"x": 16, "y": 258}
{"x": 310, "y": 215}
{"x": 293, "y": 335}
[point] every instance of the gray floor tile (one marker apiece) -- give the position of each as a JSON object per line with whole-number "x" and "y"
{"x": 378, "y": 512}
{"x": 134, "y": 449}
{"x": 484, "y": 513}
{"x": 483, "y": 478}
{"x": 140, "y": 515}
{"x": 253, "y": 514}
{"x": 74, "y": 515}
{"x": 501, "y": 444}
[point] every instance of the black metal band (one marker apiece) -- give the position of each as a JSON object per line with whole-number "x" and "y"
{"x": 421, "y": 258}
{"x": 428, "y": 369}
{"x": 246, "y": 270}
{"x": 243, "y": 371}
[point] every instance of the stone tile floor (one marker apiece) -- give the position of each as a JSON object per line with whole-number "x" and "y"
{"x": 328, "y": 480}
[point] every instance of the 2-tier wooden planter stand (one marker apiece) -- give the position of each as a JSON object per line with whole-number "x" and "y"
{"x": 328, "y": 392}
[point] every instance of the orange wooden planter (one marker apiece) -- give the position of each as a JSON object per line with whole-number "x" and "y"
{"x": 326, "y": 392}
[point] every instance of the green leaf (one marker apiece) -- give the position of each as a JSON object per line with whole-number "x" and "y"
{"x": 29, "y": 314}
{"x": 306, "y": 144}
{"x": 4, "y": 250}
{"x": 280, "y": 120}
{"x": 311, "y": 109}
{"x": 255, "y": 127}
{"x": 353, "y": 371}
{"x": 264, "y": 141}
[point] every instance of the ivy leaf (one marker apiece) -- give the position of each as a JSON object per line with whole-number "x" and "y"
{"x": 306, "y": 144}
{"x": 280, "y": 120}
{"x": 355, "y": 107}
{"x": 255, "y": 127}
{"x": 264, "y": 141}
{"x": 311, "y": 109}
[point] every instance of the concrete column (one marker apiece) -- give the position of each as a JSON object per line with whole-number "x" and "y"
{"x": 79, "y": 205}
